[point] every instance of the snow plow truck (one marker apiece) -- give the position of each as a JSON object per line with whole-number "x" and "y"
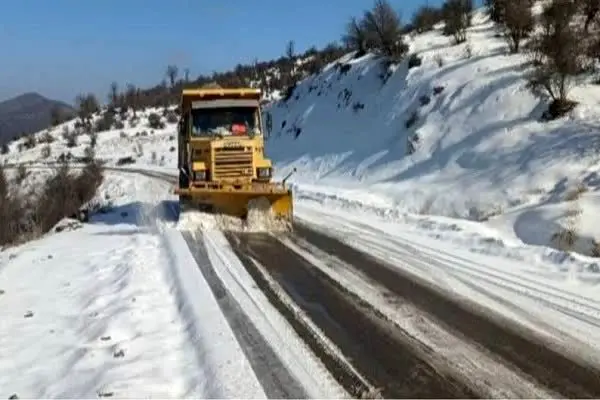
{"x": 221, "y": 160}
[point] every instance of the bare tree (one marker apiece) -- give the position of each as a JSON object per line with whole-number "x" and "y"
{"x": 496, "y": 9}
{"x": 590, "y": 9}
{"x": 518, "y": 22}
{"x": 3, "y": 185}
{"x": 355, "y": 37}
{"x": 56, "y": 116}
{"x": 172, "y": 73}
{"x": 425, "y": 18}
{"x": 87, "y": 105}
{"x": 255, "y": 74}
{"x": 113, "y": 94}
{"x": 560, "y": 54}
{"x": 290, "y": 52}
{"x": 290, "y": 55}
{"x": 457, "y": 18}
{"x": 132, "y": 98}
{"x": 383, "y": 30}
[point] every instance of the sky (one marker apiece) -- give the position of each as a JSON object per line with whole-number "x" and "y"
{"x": 61, "y": 48}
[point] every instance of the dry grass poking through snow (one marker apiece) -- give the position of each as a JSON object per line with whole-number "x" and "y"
{"x": 576, "y": 192}
{"x": 24, "y": 216}
{"x": 568, "y": 237}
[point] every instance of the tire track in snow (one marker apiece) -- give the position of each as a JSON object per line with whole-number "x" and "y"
{"x": 406, "y": 255}
{"x": 588, "y": 308}
{"x": 398, "y": 250}
{"x": 273, "y": 375}
{"x": 276, "y": 380}
{"x": 393, "y": 362}
{"x": 517, "y": 348}
{"x": 448, "y": 352}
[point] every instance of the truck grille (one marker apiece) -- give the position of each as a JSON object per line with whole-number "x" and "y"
{"x": 233, "y": 162}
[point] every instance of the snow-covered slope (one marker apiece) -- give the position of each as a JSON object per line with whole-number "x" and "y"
{"x": 476, "y": 146}
{"x": 136, "y": 138}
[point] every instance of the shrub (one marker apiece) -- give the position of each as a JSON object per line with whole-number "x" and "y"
{"x": 576, "y": 192}
{"x": 414, "y": 61}
{"x": 89, "y": 154}
{"x": 11, "y": 208}
{"x": 46, "y": 138}
{"x": 172, "y": 118}
{"x": 411, "y": 143}
{"x": 425, "y": 18}
{"x": 21, "y": 174}
{"x": 457, "y": 18}
{"x": 105, "y": 123}
{"x": 30, "y": 142}
{"x": 155, "y": 121}
{"x": 93, "y": 139}
{"x": 414, "y": 117}
{"x": 424, "y": 100}
{"x": 71, "y": 140}
{"x": 46, "y": 151}
{"x": 63, "y": 195}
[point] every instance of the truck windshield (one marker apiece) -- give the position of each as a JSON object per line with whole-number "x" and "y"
{"x": 225, "y": 121}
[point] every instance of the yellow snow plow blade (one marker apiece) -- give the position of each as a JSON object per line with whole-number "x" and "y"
{"x": 270, "y": 198}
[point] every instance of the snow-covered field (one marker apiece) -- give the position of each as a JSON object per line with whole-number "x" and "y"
{"x": 469, "y": 197}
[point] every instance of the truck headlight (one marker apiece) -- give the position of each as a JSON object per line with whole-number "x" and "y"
{"x": 263, "y": 172}
{"x": 200, "y": 175}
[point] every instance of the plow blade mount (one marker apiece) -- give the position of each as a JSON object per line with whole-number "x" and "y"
{"x": 238, "y": 203}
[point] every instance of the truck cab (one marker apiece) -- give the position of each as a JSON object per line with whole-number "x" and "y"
{"x": 221, "y": 140}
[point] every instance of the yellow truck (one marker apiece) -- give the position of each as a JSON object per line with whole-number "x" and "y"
{"x": 221, "y": 161}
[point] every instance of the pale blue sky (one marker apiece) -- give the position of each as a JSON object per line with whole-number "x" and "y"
{"x": 62, "y": 47}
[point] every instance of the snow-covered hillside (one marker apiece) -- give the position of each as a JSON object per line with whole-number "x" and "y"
{"x": 136, "y": 138}
{"x": 459, "y": 135}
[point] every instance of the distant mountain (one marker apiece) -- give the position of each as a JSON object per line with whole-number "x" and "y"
{"x": 28, "y": 113}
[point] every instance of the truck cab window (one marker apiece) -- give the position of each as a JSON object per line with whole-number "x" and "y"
{"x": 224, "y": 121}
